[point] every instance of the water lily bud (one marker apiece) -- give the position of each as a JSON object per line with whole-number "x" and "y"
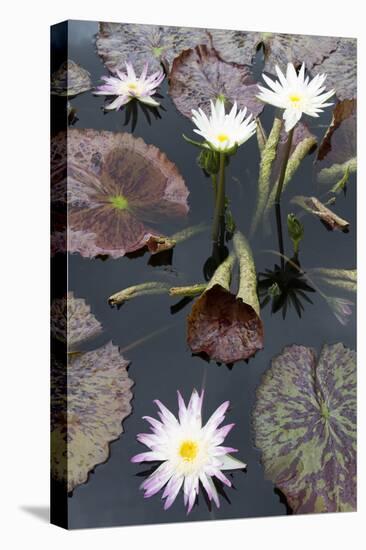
{"x": 295, "y": 231}
{"x": 209, "y": 161}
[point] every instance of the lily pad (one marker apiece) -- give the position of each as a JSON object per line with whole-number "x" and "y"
{"x": 235, "y": 46}
{"x": 120, "y": 42}
{"x": 199, "y": 75}
{"x": 117, "y": 186}
{"x": 90, "y": 395}
{"x": 280, "y": 49}
{"x": 225, "y": 327}
{"x": 341, "y": 69}
{"x": 337, "y": 152}
{"x": 70, "y": 80}
{"x": 305, "y": 426}
{"x": 90, "y": 415}
{"x": 72, "y": 321}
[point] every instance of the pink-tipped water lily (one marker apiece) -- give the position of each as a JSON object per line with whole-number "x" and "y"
{"x": 296, "y": 94}
{"x": 127, "y": 86}
{"x": 190, "y": 453}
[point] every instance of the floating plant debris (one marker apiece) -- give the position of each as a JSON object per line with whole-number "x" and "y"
{"x": 70, "y": 80}
{"x": 199, "y": 76}
{"x": 328, "y": 217}
{"x": 225, "y": 327}
{"x": 117, "y": 186}
{"x": 305, "y": 426}
{"x": 90, "y": 396}
{"x": 336, "y": 159}
{"x": 120, "y": 42}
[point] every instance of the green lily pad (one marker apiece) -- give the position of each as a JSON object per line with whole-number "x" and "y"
{"x": 70, "y": 80}
{"x": 304, "y": 421}
{"x": 200, "y": 75}
{"x": 120, "y": 42}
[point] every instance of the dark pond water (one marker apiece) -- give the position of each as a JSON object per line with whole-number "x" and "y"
{"x": 163, "y": 363}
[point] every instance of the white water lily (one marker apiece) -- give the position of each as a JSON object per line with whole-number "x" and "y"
{"x": 190, "y": 453}
{"x": 296, "y": 94}
{"x": 127, "y": 86}
{"x": 224, "y": 131}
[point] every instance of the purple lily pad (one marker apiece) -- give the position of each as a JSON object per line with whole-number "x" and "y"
{"x": 341, "y": 69}
{"x": 199, "y": 75}
{"x": 70, "y": 80}
{"x": 72, "y": 321}
{"x": 120, "y": 42}
{"x": 117, "y": 186}
{"x": 305, "y": 425}
{"x": 235, "y": 46}
{"x": 91, "y": 395}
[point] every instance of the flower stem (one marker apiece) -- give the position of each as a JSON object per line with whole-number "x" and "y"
{"x": 281, "y": 179}
{"x": 220, "y": 201}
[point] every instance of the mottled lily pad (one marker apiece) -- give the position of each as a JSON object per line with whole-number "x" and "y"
{"x": 341, "y": 68}
{"x": 70, "y": 80}
{"x": 117, "y": 187}
{"x": 305, "y": 425}
{"x": 223, "y": 326}
{"x": 72, "y": 321}
{"x": 280, "y": 49}
{"x": 235, "y": 46}
{"x": 337, "y": 152}
{"x": 199, "y": 75}
{"x": 90, "y": 397}
{"x": 120, "y": 42}
{"x": 98, "y": 399}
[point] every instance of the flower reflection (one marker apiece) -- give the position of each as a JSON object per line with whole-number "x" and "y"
{"x": 190, "y": 453}
{"x": 341, "y": 308}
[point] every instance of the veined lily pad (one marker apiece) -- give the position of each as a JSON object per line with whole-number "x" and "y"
{"x": 235, "y": 46}
{"x": 115, "y": 185}
{"x": 223, "y": 326}
{"x": 341, "y": 69}
{"x": 280, "y": 49}
{"x": 120, "y": 42}
{"x": 199, "y": 75}
{"x": 305, "y": 425}
{"x": 72, "y": 321}
{"x": 70, "y": 80}
{"x": 91, "y": 395}
{"x": 337, "y": 152}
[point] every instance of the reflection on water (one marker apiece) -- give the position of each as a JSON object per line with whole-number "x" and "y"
{"x": 161, "y": 361}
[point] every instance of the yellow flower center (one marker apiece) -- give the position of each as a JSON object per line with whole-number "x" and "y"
{"x": 132, "y": 86}
{"x": 222, "y": 137}
{"x": 188, "y": 450}
{"x": 295, "y": 98}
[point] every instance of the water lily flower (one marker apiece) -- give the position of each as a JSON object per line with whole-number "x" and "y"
{"x": 223, "y": 132}
{"x": 190, "y": 453}
{"x": 127, "y": 86}
{"x": 296, "y": 94}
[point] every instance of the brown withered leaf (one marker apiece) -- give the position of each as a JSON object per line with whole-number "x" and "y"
{"x": 70, "y": 80}
{"x": 225, "y": 327}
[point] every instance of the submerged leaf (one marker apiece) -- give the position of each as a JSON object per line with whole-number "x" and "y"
{"x": 199, "y": 75}
{"x": 115, "y": 185}
{"x": 120, "y": 42}
{"x": 337, "y": 153}
{"x": 225, "y": 327}
{"x": 305, "y": 425}
{"x": 70, "y": 80}
{"x": 330, "y": 219}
